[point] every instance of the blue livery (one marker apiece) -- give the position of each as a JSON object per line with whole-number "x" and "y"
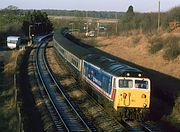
{"x": 99, "y": 78}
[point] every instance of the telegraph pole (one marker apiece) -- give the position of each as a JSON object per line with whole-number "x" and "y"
{"x": 87, "y": 28}
{"x": 72, "y": 27}
{"x": 158, "y": 15}
{"x": 116, "y": 22}
{"x": 30, "y": 37}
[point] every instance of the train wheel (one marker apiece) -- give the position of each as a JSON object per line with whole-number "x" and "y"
{"x": 144, "y": 114}
{"x": 122, "y": 113}
{"x": 131, "y": 114}
{"x": 120, "y": 116}
{"x": 140, "y": 117}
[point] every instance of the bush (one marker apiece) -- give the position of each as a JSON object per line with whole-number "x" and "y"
{"x": 173, "y": 48}
{"x": 171, "y": 45}
{"x": 156, "y": 45}
{"x": 172, "y": 15}
{"x": 172, "y": 52}
{"x": 172, "y": 40}
{"x": 136, "y": 40}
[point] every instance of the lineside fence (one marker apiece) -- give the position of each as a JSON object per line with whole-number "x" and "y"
{"x": 16, "y": 89}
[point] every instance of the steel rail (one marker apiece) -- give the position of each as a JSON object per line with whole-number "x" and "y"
{"x": 49, "y": 97}
{"x": 149, "y": 127}
{"x": 59, "y": 88}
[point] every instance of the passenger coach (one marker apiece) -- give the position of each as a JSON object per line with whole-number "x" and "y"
{"x": 69, "y": 51}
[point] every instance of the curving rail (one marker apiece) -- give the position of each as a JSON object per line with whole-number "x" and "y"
{"x": 140, "y": 126}
{"x": 64, "y": 115}
{"x": 150, "y": 127}
{"x": 131, "y": 127}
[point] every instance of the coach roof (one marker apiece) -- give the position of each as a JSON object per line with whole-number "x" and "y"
{"x": 70, "y": 46}
{"x": 112, "y": 66}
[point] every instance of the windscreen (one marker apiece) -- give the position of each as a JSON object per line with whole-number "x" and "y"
{"x": 126, "y": 83}
{"x": 141, "y": 84}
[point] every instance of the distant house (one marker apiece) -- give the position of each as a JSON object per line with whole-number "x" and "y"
{"x": 13, "y": 42}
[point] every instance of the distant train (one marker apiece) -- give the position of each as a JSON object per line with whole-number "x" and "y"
{"x": 126, "y": 89}
{"x": 13, "y": 42}
{"x": 38, "y": 39}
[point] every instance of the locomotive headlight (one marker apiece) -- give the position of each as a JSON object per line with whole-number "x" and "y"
{"x": 139, "y": 75}
{"x": 145, "y": 105}
{"x": 128, "y": 74}
{"x": 143, "y": 96}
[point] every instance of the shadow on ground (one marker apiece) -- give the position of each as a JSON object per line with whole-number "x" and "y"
{"x": 31, "y": 116}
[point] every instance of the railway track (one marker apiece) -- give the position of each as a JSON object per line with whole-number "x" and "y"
{"x": 57, "y": 101}
{"x": 89, "y": 107}
{"x": 64, "y": 116}
{"x": 133, "y": 126}
{"x": 150, "y": 127}
{"x": 137, "y": 126}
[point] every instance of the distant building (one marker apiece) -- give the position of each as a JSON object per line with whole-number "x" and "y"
{"x": 90, "y": 34}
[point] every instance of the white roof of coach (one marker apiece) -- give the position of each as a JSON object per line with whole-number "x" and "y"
{"x": 13, "y": 38}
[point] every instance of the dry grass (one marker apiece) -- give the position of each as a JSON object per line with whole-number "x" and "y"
{"x": 11, "y": 65}
{"x": 8, "y": 120}
{"x": 124, "y": 47}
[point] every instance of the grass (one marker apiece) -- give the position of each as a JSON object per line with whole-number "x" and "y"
{"x": 8, "y": 113}
{"x": 8, "y": 120}
{"x": 136, "y": 40}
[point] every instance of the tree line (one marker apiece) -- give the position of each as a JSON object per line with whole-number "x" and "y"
{"x": 36, "y": 23}
{"x": 127, "y": 21}
{"x": 94, "y": 14}
{"x": 148, "y": 22}
{"x": 14, "y": 21}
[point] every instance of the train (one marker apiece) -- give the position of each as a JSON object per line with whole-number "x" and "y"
{"x": 13, "y": 42}
{"x": 125, "y": 88}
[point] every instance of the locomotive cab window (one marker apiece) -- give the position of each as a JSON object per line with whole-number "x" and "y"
{"x": 125, "y": 83}
{"x": 141, "y": 84}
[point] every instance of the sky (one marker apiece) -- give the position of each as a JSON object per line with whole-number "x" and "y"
{"x": 93, "y": 5}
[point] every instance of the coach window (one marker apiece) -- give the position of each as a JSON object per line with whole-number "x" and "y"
{"x": 74, "y": 62}
{"x": 62, "y": 51}
{"x": 125, "y": 83}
